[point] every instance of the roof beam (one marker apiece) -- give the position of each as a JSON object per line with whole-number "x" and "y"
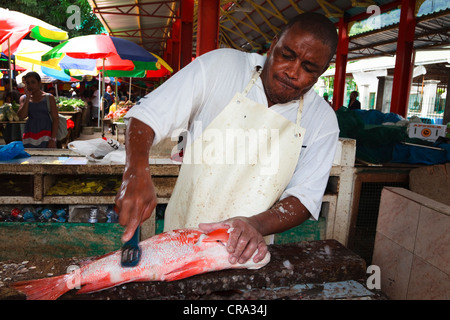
{"x": 326, "y": 6}
{"x": 145, "y": 9}
{"x": 253, "y": 27}
{"x": 259, "y": 10}
{"x": 134, "y": 33}
{"x": 296, "y": 7}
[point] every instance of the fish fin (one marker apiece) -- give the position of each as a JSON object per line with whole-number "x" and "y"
{"x": 188, "y": 270}
{"x": 43, "y": 289}
{"x": 221, "y": 235}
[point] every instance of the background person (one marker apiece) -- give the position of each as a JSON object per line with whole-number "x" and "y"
{"x": 41, "y": 126}
{"x": 354, "y": 104}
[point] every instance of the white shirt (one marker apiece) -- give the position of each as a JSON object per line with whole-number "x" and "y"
{"x": 94, "y": 100}
{"x": 201, "y": 90}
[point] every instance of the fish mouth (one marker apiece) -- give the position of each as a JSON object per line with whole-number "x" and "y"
{"x": 221, "y": 242}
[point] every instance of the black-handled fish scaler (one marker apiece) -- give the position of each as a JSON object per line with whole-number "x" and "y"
{"x": 131, "y": 252}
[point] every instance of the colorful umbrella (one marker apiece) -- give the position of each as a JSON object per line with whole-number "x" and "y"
{"x": 28, "y": 56}
{"x": 97, "y": 46}
{"x": 14, "y": 26}
{"x": 137, "y": 69}
{"x": 44, "y": 77}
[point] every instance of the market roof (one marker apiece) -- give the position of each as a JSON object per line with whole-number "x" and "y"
{"x": 430, "y": 63}
{"x": 250, "y": 25}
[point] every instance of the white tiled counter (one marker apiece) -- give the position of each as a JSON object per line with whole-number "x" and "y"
{"x": 412, "y": 246}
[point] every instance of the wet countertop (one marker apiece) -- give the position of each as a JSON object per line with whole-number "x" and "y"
{"x": 322, "y": 269}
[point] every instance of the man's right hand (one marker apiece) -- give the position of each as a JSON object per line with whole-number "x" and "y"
{"x": 136, "y": 198}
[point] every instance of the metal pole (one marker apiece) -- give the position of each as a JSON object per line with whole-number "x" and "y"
{"x": 404, "y": 61}
{"x": 102, "y": 113}
{"x": 341, "y": 65}
{"x": 99, "y": 98}
{"x": 129, "y": 90}
{"x": 208, "y": 26}
{"x": 9, "y": 64}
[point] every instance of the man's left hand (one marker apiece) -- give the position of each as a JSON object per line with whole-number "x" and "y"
{"x": 244, "y": 239}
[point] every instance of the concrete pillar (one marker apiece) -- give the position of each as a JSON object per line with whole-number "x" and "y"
{"x": 447, "y": 104}
{"x": 384, "y": 93}
{"x": 429, "y": 97}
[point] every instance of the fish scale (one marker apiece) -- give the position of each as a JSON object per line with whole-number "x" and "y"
{"x": 168, "y": 256}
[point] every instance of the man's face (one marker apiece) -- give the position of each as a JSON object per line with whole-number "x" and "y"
{"x": 294, "y": 63}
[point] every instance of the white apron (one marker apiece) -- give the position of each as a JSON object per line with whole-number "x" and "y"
{"x": 239, "y": 166}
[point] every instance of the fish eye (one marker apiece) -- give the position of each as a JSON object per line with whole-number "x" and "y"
{"x": 221, "y": 242}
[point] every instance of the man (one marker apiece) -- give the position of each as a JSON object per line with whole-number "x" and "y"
{"x": 94, "y": 103}
{"x": 200, "y": 95}
{"x": 109, "y": 99}
{"x": 354, "y": 104}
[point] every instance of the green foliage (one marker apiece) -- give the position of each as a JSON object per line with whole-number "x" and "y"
{"x": 55, "y": 13}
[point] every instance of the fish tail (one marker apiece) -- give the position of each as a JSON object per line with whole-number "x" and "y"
{"x": 43, "y": 289}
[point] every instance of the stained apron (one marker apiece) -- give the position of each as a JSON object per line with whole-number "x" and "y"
{"x": 239, "y": 166}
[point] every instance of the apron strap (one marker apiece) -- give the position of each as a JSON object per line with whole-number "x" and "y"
{"x": 252, "y": 81}
{"x": 299, "y": 112}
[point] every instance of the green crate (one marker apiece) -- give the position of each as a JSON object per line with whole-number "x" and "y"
{"x": 23, "y": 240}
{"x": 308, "y": 231}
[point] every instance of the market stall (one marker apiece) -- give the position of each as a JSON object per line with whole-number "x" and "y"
{"x": 57, "y": 206}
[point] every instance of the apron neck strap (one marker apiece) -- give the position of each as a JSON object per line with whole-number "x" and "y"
{"x": 255, "y": 76}
{"x": 299, "y": 112}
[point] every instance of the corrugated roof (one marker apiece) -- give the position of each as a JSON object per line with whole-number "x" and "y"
{"x": 146, "y": 23}
{"x": 250, "y": 25}
{"x": 432, "y": 31}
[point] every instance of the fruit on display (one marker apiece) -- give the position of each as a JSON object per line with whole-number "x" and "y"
{"x": 67, "y": 186}
{"x": 8, "y": 112}
{"x": 116, "y": 114}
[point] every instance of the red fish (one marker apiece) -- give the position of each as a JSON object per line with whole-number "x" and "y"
{"x": 169, "y": 256}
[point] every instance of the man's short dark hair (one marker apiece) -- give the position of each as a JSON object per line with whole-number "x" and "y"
{"x": 316, "y": 24}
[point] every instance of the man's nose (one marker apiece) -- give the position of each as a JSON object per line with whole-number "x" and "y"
{"x": 293, "y": 71}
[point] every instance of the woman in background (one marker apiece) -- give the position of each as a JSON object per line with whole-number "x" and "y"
{"x": 42, "y": 125}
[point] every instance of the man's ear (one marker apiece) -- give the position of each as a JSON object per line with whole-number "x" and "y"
{"x": 272, "y": 45}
